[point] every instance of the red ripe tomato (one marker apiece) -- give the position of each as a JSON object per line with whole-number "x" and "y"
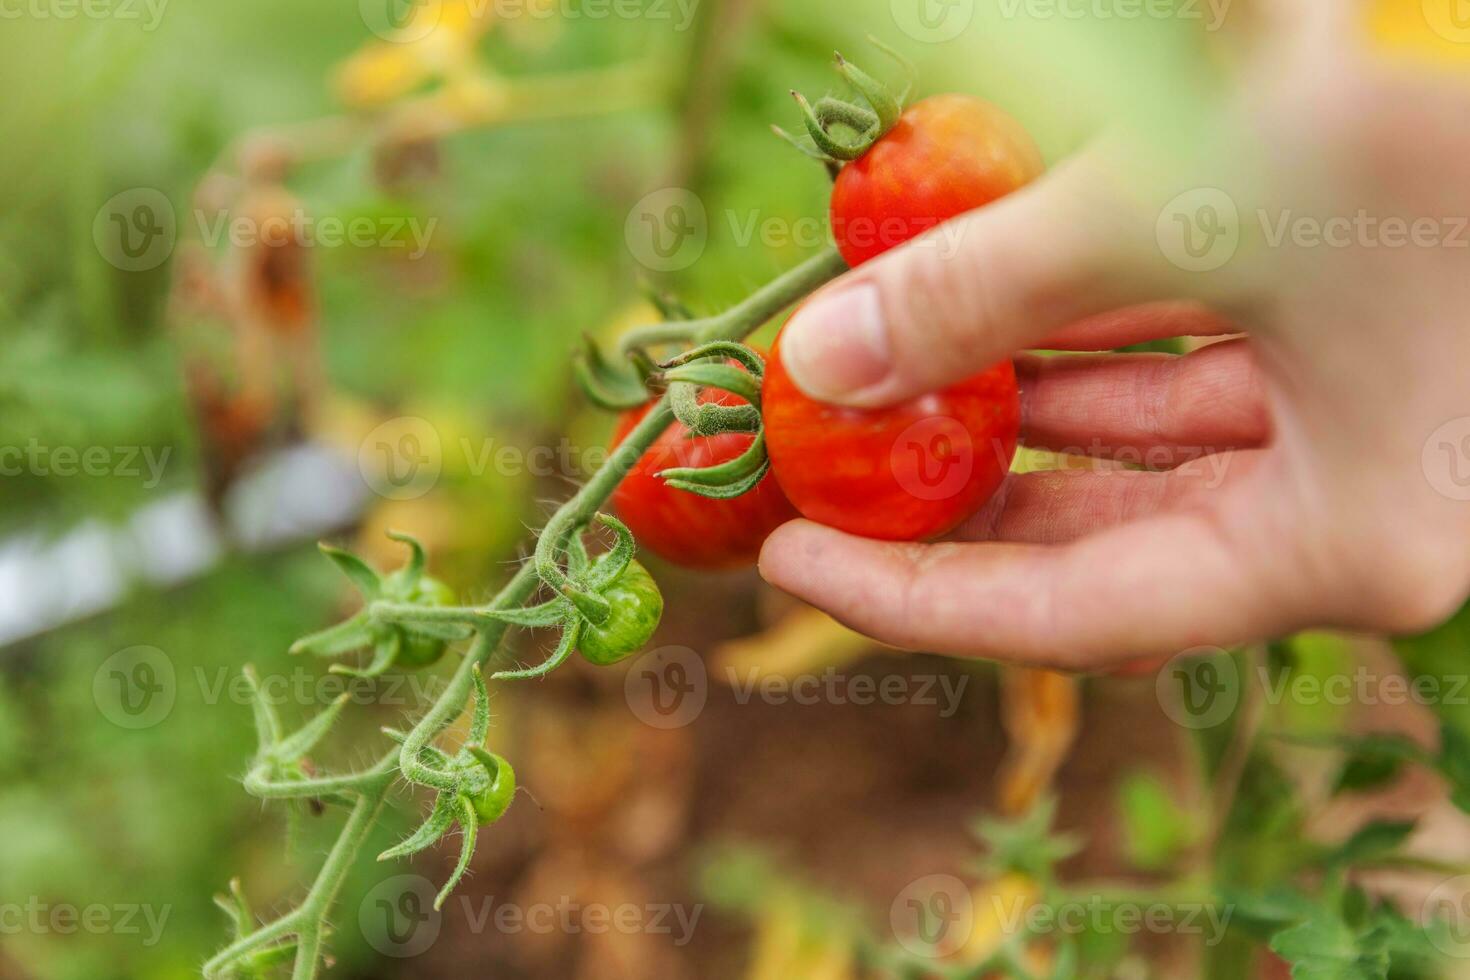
{"x": 947, "y": 155}
{"x": 906, "y": 472}
{"x": 685, "y": 528}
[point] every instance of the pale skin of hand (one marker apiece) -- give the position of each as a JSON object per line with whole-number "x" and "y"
{"x": 1325, "y": 504}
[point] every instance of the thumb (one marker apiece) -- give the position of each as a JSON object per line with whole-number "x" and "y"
{"x": 972, "y": 291}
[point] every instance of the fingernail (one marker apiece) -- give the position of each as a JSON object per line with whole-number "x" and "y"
{"x": 837, "y": 345}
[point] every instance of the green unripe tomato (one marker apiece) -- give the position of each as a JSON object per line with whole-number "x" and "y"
{"x": 637, "y": 606}
{"x": 491, "y": 804}
{"x": 418, "y": 650}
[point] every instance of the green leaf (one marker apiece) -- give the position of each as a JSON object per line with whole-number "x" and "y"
{"x": 1026, "y": 844}
{"x": 1372, "y": 841}
{"x": 1374, "y": 762}
{"x": 1264, "y": 912}
{"x": 1155, "y": 828}
{"x": 1324, "y": 948}
{"x": 1454, "y": 762}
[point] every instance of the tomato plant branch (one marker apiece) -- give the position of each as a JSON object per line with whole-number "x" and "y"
{"x": 277, "y": 773}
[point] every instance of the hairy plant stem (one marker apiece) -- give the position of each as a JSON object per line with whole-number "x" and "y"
{"x": 370, "y": 788}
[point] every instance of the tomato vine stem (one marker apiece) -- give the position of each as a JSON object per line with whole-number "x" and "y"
{"x": 366, "y": 791}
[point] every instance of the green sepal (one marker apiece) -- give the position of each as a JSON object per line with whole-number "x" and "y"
{"x": 609, "y": 567}
{"x": 267, "y": 722}
{"x": 825, "y": 141}
{"x": 565, "y": 647}
{"x": 728, "y": 491}
{"x": 413, "y": 572}
{"x": 726, "y": 377}
{"x": 731, "y": 478}
{"x": 551, "y": 613}
{"x": 910, "y": 70}
{"x": 346, "y": 636}
{"x": 385, "y": 654}
{"x": 469, "y": 831}
{"x": 607, "y": 385}
{"x": 670, "y": 307}
{"x": 706, "y": 419}
{"x": 429, "y": 831}
{"x": 362, "y": 576}
{"x": 306, "y": 738}
{"x": 439, "y": 631}
{"x": 237, "y": 907}
{"x": 804, "y": 145}
{"x": 830, "y": 111}
{"x": 885, "y": 105}
{"x": 746, "y": 356}
{"x": 480, "y": 720}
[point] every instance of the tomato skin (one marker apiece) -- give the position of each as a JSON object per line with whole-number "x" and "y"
{"x": 491, "y": 804}
{"x": 418, "y": 650}
{"x": 637, "y": 607}
{"x": 685, "y": 528}
{"x": 947, "y": 155}
{"x": 906, "y": 472}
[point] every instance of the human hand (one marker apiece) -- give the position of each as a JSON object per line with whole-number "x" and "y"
{"x": 1315, "y": 472}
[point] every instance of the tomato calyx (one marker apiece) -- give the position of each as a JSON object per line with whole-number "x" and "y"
{"x": 407, "y": 618}
{"x": 706, "y": 367}
{"x": 607, "y": 607}
{"x": 478, "y": 791}
{"x": 864, "y": 124}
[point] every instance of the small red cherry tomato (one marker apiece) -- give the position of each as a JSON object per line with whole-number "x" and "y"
{"x": 685, "y": 528}
{"x": 946, "y": 155}
{"x": 907, "y": 472}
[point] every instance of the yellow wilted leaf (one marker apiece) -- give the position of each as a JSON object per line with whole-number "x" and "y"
{"x": 1431, "y": 30}
{"x": 804, "y": 642}
{"x": 1000, "y": 906}
{"x": 1039, "y": 710}
{"x": 439, "y": 40}
{"x": 787, "y": 947}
